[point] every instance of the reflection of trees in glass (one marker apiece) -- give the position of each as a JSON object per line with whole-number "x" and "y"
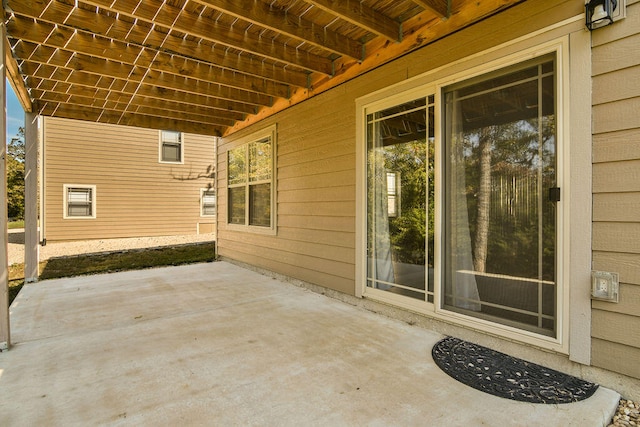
{"x": 408, "y": 230}
{"x": 508, "y": 171}
{"x": 237, "y": 165}
{"x": 249, "y": 174}
{"x": 260, "y": 160}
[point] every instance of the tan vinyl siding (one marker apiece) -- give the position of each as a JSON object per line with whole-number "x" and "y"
{"x": 616, "y": 190}
{"x": 316, "y": 196}
{"x": 315, "y": 174}
{"x": 135, "y": 194}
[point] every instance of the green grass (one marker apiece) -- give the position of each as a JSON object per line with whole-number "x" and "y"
{"x": 137, "y": 259}
{"x": 15, "y": 224}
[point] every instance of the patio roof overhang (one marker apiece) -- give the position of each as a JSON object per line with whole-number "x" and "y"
{"x": 209, "y": 66}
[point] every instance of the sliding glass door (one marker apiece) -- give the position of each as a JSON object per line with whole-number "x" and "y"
{"x": 500, "y": 196}
{"x": 400, "y": 206}
{"x": 494, "y": 188}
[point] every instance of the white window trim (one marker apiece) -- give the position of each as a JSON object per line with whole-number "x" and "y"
{"x": 202, "y": 214}
{"x": 65, "y": 201}
{"x": 182, "y": 141}
{"x": 270, "y": 132}
{"x": 574, "y": 262}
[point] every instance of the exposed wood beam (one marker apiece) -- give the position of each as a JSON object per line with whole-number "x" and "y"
{"x": 160, "y": 13}
{"x": 132, "y": 73}
{"x": 60, "y": 90}
{"x": 439, "y": 7}
{"x": 112, "y": 28}
{"x": 417, "y": 35}
{"x": 44, "y": 75}
{"x": 217, "y": 55}
{"x": 355, "y": 12}
{"x": 83, "y": 101}
{"x": 127, "y": 119}
{"x": 13, "y": 75}
{"x": 261, "y": 14}
{"x": 57, "y": 37}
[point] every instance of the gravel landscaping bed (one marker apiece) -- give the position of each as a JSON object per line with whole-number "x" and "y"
{"x": 628, "y": 414}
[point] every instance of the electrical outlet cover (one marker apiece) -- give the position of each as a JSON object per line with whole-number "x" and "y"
{"x": 604, "y": 286}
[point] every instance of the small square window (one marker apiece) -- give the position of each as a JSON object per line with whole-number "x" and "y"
{"x": 171, "y": 147}
{"x": 80, "y": 201}
{"x": 207, "y": 202}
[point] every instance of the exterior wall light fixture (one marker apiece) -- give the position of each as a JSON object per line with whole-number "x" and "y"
{"x": 600, "y": 13}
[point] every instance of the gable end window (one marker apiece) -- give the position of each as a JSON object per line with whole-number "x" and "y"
{"x": 79, "y": 201}
{"x": 250, "y": 183}
{"x": 171, "y": 147}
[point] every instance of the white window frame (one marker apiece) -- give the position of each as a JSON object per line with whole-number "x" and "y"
{"x": 269, "y": 132}
{"x": 573, "y": 262}
{"x": 202, "y": 192}
{"x": 161, "y": 143}
{"x": 65, "y": 198}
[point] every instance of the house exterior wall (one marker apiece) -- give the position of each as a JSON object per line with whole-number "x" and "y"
{"x": 136, "y": 195}
{"x": 316, "y": 139}
{"x": 616, "y": 189}
{"x": 316, "y": 178}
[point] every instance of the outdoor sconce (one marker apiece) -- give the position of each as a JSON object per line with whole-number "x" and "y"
{"x": 600, "y": 13}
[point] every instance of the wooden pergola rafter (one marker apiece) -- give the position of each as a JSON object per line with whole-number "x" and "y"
{"x": 208, "y": 66}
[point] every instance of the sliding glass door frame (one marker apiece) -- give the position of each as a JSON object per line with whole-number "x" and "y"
{"x": 433, "y": 84}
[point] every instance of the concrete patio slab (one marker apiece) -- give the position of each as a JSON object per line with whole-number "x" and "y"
{"x": 216, "y": 344}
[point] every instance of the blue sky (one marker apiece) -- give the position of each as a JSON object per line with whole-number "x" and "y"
{"x": 15, "y": 113}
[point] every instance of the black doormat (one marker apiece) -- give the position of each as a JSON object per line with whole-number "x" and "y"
{"x": 502, "y": 375}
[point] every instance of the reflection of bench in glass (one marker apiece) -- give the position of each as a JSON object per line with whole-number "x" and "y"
{"x": 514, "y": 299}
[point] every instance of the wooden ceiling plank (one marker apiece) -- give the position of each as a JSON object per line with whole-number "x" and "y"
{"x": 215, "y": 55}
{"x": 164, "y": 104}
{"x": 185, "y": 48}
{"x": 128, "y": 119}
{"x": 123, "y": 107}
{"x": 261, "y": 14}
{"x": 362, "y": 16}
{"x": 131, "y": 73}
{"x": 46, "y": 54}
{"x": 129, "y": 98}
{"x": 98, "y": 46}
{"x": 186, "y": 84}
{"x": 61, "y": 74}
{"x": 170, "y": 17}
{"x": 189, "y": 98}
{"x": 201, "y": 71}
{"x": 439, "y": 7}
{"x": 113, "y": 28}
{"x": 88, "y": 79}
{"x": 211, "y": 74}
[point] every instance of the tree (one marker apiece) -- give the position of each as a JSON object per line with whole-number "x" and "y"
{"x": 15, "y": 176}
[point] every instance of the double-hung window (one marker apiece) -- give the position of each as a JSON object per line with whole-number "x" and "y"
{"x": 171, "y": 147}
{"x": 79, "y": 201}
{"x": 250, "y": 182}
